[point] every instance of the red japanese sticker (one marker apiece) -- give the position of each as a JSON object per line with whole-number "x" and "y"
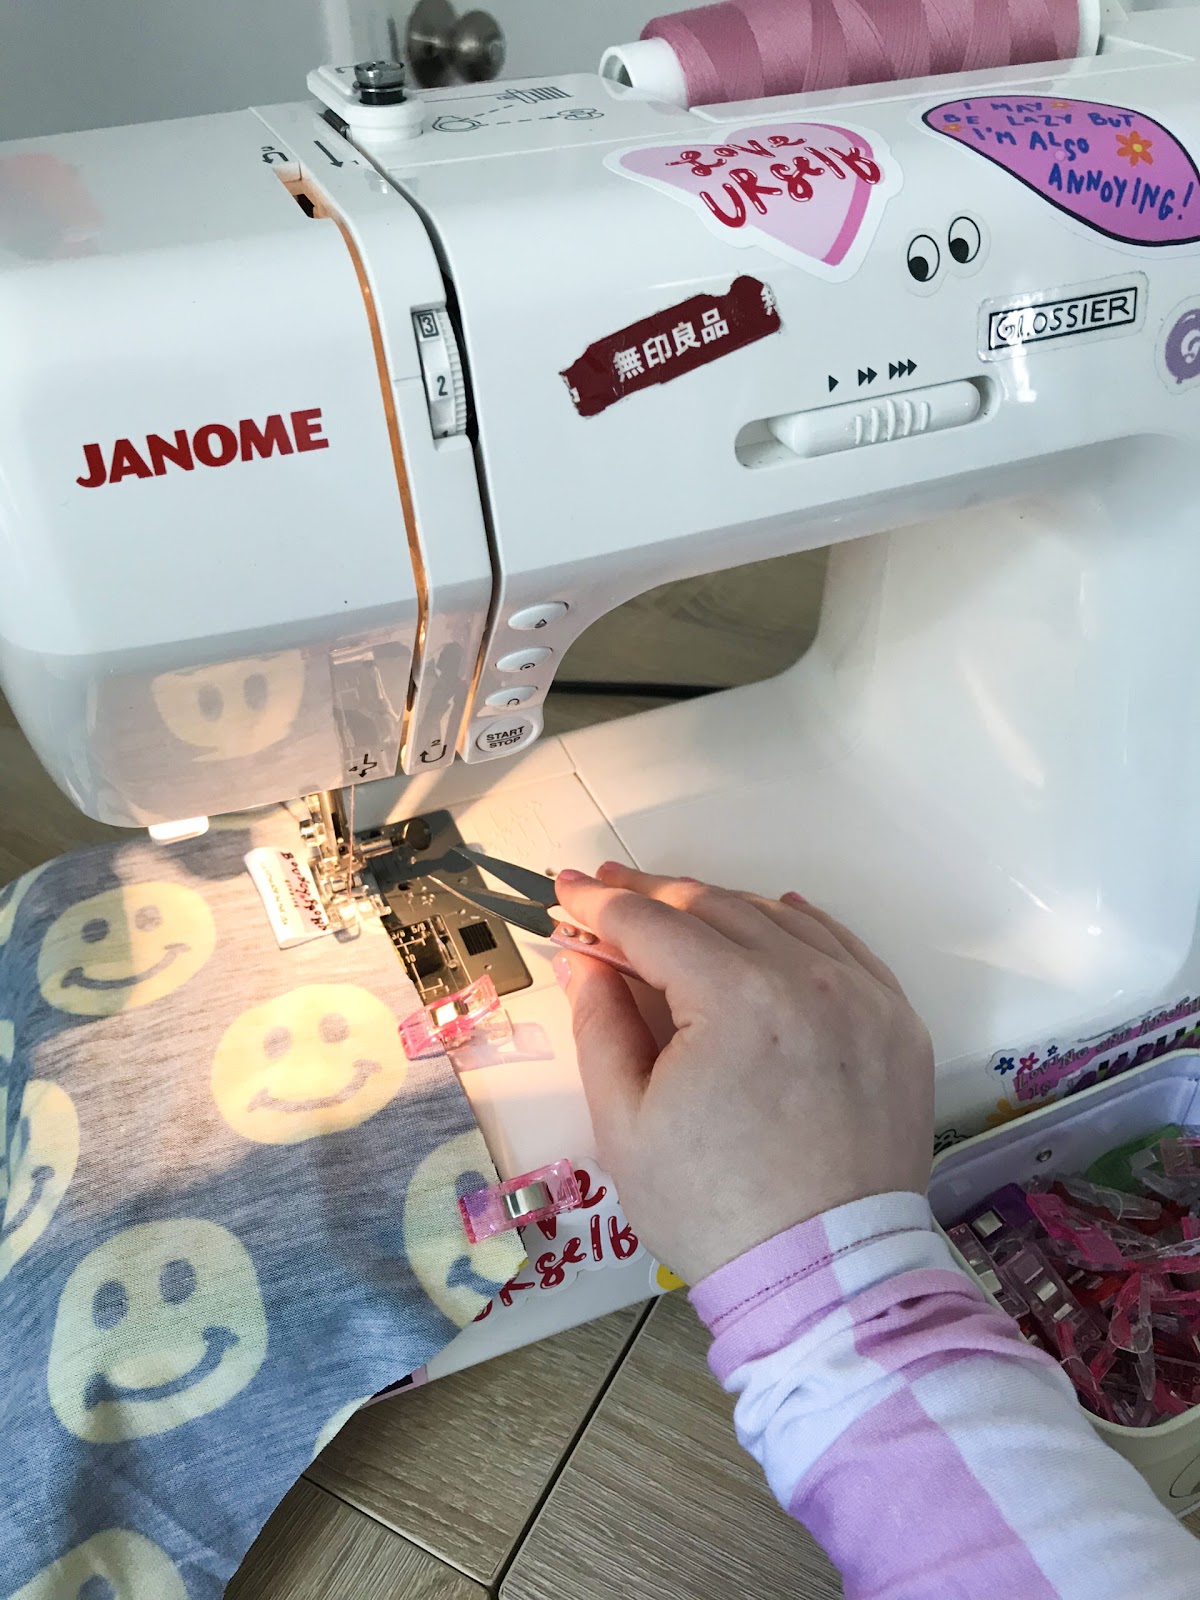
{"x": 670, "y": 344}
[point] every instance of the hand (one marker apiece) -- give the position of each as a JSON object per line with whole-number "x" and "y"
{"x": 798, "y": 1077}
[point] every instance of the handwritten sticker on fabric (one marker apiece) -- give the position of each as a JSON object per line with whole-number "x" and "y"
{"x": 1115, "y": 170}
{"x": 810, "y": 192}
{"x": 669, "y": 344}
{"x": 593, "y": 1236}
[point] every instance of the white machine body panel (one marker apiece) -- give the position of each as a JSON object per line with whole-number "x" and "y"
{"x": 191, "y": 417}
{"x": 553, "y": 250}
{"x": 984, "y": 764}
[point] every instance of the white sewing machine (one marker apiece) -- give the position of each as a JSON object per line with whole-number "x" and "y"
{"x": 294, "y": 495}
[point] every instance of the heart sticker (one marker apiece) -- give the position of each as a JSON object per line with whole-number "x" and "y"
{"x": 1115, "y": 170}
{"x": 811, "y": 192}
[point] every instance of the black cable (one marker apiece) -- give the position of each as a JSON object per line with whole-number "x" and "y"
{"x": 647, "y": 691}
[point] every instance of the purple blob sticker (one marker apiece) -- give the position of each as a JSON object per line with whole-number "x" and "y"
{"x": 1181, "y": 349}
{"x": 810, "y": 192}
{"x": 1115, "y": 170}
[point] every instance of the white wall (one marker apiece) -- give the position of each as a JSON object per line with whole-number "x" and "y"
{"x": 67, "y": 64}
{"x": 569, "y": 35}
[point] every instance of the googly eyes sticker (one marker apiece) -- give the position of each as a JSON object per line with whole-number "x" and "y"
{"x": 965, "y": 240}
{"x": 924, "y": 258}
{"x": 929, "y": 258}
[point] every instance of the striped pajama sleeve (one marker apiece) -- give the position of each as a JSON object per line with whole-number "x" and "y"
{"x": 905, "y": 1422}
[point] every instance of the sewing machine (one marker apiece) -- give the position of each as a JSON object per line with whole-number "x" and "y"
{"x": 326, "y": 429}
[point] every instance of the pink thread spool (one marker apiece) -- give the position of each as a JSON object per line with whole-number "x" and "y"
{"x": 753, "y": 49}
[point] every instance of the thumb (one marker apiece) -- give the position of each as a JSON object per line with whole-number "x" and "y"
{"x": 615, "y": 1048}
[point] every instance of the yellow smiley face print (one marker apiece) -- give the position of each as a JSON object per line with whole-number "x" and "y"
{"x": 42, "y": 1157}
{"x": 125, "y": 948}
{"x": 111, "y": 1565}
{"x": 159, "y": 1325}
{"x": 318, "y": 1060}
{"x": 232, "y": 709}
{"x": 11, "y": 896}
{"x": 337, "y": 1422}
{"x": 114, "y": 1565}
{"x": 458, "y": 1276}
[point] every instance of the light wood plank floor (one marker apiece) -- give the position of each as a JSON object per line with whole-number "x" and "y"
{"x": 599, "y": 1464}
{"x": 660, "y": 1463}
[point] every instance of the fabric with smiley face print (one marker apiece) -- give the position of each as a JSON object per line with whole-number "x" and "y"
{"x": 37, "y": 1168}
{"x": 160, "y": 1324}
{"x": 208, "y": 1251}
{"x": 126, "y": 947}
{"x": 11, "y": 896}
{"x": 113, "y": 1565}
{"x": 314, "y": 1061}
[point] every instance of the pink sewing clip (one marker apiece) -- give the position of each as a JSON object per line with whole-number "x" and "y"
{"x": 966, "y": 1242}
{"x": 1180, "y": 1158}
{"x": 1067, "y": 1226}
{"x": 449, "y": 1022}
{"x": 1124, "y": 1207}
{"x": 1074, "y": 1363}
{"x": 1131, "y": 1330}
{"x": 533, "y": 1197}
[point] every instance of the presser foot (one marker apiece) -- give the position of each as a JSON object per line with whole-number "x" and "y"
{"x": 443, "y": 941}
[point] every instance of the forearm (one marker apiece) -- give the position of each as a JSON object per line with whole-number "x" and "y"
{"x": 902, "y": 1419}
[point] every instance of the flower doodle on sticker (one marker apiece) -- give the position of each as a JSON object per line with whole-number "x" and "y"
{"x": 1135, "y": 147}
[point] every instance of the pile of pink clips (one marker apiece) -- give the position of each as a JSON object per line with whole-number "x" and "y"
{"x": 1105, "y": 1279}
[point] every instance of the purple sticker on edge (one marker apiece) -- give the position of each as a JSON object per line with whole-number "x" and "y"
{"x": 1116, "y": 170}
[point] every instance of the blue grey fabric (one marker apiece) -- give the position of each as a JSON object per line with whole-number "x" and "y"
{"x": 228, "y": 1212}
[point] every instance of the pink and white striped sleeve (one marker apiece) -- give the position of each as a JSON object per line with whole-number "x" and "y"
{"x": 905, "y": 1422}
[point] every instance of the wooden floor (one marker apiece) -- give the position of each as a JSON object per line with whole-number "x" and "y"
{"x": 597, "y": 1465}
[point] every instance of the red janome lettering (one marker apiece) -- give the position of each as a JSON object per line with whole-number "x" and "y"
{"x": 216, "y": 444}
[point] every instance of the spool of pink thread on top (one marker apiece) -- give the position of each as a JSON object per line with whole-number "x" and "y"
{"x": 753, "y": 49}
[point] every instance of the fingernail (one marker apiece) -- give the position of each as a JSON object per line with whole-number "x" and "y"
{"x": 569, "y": 875}
{"x": 791, "y": 898}
{"x": 562, "y": 970}
{"x": 609, "y": 866}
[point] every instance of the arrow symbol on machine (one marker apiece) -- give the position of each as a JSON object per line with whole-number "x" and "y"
{"x": 833, "y": 383}
{"x": 333, "y": 160}
{"x": 901, "y": 369}
{"x": 868, "y": 376}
